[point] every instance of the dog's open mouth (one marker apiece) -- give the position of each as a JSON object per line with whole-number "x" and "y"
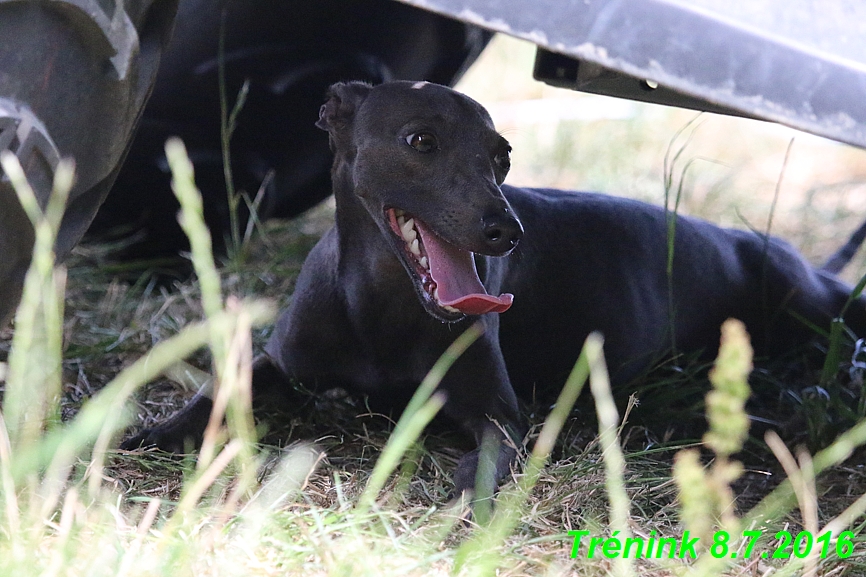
{"x": 445, "y": 273}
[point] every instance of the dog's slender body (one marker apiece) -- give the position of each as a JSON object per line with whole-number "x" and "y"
{"x": 611, "y": 275}
{"x": 421, "y": 164}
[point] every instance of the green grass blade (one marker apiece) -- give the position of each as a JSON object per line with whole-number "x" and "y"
{"x": 782, "y": 498}
{"x": 104, "y": 415}
{"x": 34, "y": 374}
{"x": 418, "y": 413}
{"x": 192, "y": 221}
{"x": 614, "y": 461}
{"x": 231, "y": 347}
{"x": 481, "y": 554}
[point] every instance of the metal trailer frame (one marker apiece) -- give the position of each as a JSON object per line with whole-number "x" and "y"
{"x": 801, "y": 63}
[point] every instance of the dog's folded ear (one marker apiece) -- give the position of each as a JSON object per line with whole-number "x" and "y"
{"x": 344, "y": 98}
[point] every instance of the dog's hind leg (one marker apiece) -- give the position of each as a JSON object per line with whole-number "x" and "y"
{"x": 812, "y": 295}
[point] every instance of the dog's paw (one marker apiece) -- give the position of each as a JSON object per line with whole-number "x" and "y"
{"x": 460, "y": 506}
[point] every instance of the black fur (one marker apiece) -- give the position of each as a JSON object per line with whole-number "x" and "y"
{"x": 363, "y": 318}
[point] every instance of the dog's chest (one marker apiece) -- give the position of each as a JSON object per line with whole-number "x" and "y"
{"x": 395, "y": 350}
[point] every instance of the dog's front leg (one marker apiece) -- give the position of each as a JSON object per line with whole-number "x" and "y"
{"x": 181, "y": 433}
{"x": 497, "y": 464}
{"x": 481, "y": 400}
{"x": 185, "y": 430}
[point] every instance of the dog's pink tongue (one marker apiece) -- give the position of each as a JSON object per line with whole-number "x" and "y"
{"x": 457, "y": 278}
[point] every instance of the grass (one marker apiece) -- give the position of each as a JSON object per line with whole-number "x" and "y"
{"x": 364, "y": 495}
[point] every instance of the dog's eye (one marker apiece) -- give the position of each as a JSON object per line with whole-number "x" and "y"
{"x": 422, "y": 142}
{"x": 503, "y": 159}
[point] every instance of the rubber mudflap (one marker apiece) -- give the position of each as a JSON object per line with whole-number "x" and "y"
{"x": 74, "y": 78}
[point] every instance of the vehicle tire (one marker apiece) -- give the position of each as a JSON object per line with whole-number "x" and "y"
{"x": 74, "y": 78}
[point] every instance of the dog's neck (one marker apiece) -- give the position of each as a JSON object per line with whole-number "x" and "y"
{"x": 362, "y": 247}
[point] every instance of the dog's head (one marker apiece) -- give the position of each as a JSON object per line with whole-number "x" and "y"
{"x": 427, "y": 163}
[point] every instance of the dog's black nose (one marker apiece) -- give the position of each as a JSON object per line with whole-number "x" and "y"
{"x": 502, "y": 232}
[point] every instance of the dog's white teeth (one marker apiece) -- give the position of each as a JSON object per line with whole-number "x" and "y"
{"x": 415, "y": 247}
{"x": 408, "y": 230}
{"x": 448, "y": 308}
{"x": 424, "y": 262}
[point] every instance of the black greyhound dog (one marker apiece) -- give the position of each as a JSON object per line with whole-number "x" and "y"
{"x": 428, "y": 240}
